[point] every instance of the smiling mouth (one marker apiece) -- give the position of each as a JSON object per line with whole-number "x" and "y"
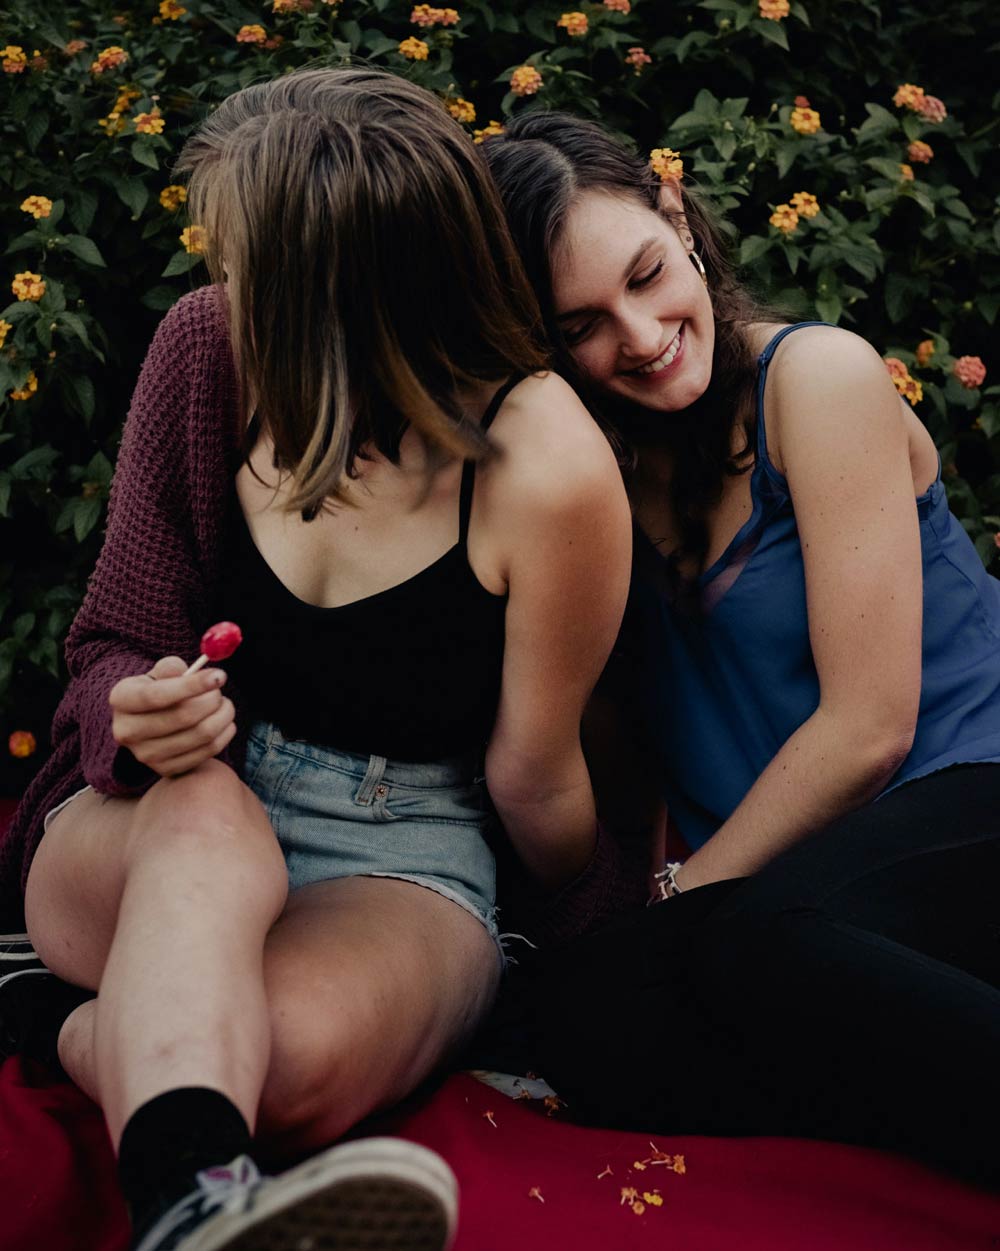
{"x": 665, "y": 358}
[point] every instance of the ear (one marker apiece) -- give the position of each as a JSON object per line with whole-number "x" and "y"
{"x": 671, "y": 205}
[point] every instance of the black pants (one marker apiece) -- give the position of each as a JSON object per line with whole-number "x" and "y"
{"x": 849, "y": 991}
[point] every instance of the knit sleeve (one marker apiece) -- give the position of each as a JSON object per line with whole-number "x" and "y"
{"x": 145, "y": 597}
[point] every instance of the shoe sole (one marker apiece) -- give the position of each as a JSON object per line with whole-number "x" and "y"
{"x": 378, "y": 1194}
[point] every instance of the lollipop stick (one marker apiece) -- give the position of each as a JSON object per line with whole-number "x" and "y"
{"x": 196, "y": 665}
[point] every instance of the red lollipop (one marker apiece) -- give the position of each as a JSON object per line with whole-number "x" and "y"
{"x": 217, "y": 643}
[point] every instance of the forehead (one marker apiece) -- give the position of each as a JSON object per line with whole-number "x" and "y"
{"x": 598, "y": 241}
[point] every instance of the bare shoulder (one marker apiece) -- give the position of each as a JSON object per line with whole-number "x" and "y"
{"x": 548, "y": 443}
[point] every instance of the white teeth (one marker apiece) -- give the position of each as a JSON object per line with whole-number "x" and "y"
{"x": 661, "y": 362}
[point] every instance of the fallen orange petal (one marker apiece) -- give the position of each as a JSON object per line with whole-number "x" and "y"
{"x": 489, "y": 1117}
{"x": 607, "y": 1172}
{"x": 535, "y": 1193}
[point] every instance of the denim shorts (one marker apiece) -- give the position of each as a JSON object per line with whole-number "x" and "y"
{"x": 336, "y": 814}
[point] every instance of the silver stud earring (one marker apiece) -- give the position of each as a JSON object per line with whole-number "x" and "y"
{"x": 699, "y": 265}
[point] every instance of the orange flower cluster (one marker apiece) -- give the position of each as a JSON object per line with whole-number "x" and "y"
{"x": 170, "y": 10}
{"x": 487, "y": 132}
{"x": 461, "y": 110}
{"x": 253, "y": 33}
{"x": 574, "y": 23}
{"x": 28, "y": 286}
{"x": 414, "y": 49}
{"x": 910, "y": 96}
{"x": 149, "y": 123}
{"x": 22, "y": 744}
{"x": 74, "y": 46}
{"x": 25, "y": 393}
{"x": 109, "y": 59}
{"x": 970, "y": 371}
{"x": 39, "y": 62}
{"x": 909, "y": 388}
{"x": 905, "y": 172}
{"x": 193, "y": 239}
{"x": 525, "y": 80}
{"x": 774, "y": 10}
{"x": 292, "y": 6}
{"x": 920, "y": 153}
{"x": 172, "y": 197}
{"x": 638, "y": 58}
{"x": 113, "y": 124}
{"x": 804, "y": 120}
{"x": 5, "y": 328}
{"x": 666, "y": 163}
{"x": 784, "y": 218}
{"x": 125, "y": 97}
{"x": 425, "y": 15}
{"x": 14, "y": 60}
{"x": 618, "y": 6}
{"x": 925, "y": 350}
{"x": 37, "y": 205}
{"x": 805, "y": 204}
{"x": 933, "y": 109}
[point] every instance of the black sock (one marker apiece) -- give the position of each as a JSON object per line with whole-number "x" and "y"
{"x": 170, "y": 1139}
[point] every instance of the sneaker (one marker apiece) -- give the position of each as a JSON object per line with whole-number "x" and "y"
{"x": 16, "y": 952}
{"x": 376, "y": 1194}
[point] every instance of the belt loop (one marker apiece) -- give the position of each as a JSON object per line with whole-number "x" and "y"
{"x": 373, "y": 775}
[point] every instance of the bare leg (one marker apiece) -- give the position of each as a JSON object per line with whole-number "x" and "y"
{"x": 164, "y": 903}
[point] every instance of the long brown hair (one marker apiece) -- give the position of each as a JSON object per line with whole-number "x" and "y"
{"x": 368, "y": 266}
{"x": 542, "y": 164}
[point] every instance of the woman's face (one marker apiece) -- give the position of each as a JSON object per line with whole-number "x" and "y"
{"x": 634, "y": 311}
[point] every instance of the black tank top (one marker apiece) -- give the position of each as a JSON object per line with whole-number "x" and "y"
{"x": 411, "y": 673}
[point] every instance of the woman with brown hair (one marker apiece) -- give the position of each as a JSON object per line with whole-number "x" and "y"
{"x": 284, "y": 893}
{"x": 810, "y": 672}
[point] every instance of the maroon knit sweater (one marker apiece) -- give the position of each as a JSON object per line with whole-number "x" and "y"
{"x": 150, "y": 593}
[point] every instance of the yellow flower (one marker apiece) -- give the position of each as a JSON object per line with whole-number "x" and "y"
{"x": 414, "y": 49}
{"x": 574, "y": 23}
{"x": 25, "y": 393}
{"x": 170, "y": 10}
{"x": 113, "y": 124}
{"x": 251, "y": 34}
{"x": 906, "y": 173}
{"x": 925, "y": 350}
{"x": 14, "y": 60}
{"x": 667, "y": 163}
{"x": 909, "y": 96}
{"x": 653, "y": 1197}
{"x": 193, "y": 238}
{"x": 28, "y": 286}
{"x": 21, "y": 744}
{"x": 461, "y": 110}
{"x": 618, "y": 6}
{"x": 909, "y": 388}
{"x": 774, "y": 10}
{"x": 125, "y": 97}
{"x": 920, "y": 153}
{"x": 805, "y": 121}
{"x": 172, "y": 197}
{"x": 784, "y": 218}
{"x": 805, "y": 204}
{"x": 37, "y": 205}
{"x": 5, "y": 328}
{"x": 109, "y": 59}
{"x": 525, "y": 80}
{"x": 637, "y": 58}
{"x": 487, "y": 132}
{"x": 149, "y": 123}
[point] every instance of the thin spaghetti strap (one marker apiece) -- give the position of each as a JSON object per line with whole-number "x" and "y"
{"x": 469, "y": 468}
{"x": 763, "y": 360}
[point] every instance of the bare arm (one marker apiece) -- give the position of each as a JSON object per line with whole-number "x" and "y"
{"x": 836, "y": 431}
{"x": 566, "y": 550}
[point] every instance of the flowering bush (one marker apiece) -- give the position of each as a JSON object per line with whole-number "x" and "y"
{"x": 869, "y": 202}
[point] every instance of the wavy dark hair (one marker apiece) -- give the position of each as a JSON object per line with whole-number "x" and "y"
{"x": 542, "y": 164}
{"x": 369, "y": 269}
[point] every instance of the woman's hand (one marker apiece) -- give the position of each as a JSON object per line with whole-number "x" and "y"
{"x": 171, "y": 722}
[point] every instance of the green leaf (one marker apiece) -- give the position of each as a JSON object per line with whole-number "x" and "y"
{"x": 82, "y": 390}
{"x": 774, "y": 32}
{"x": 987, "y": 548}
{"x": 87, "y": 515}
{"x": 352, "y": 33}
{"x": 753, "y": 247}
{"x": 34, "y": 465}
{"x": 4, "y": 495}
{"x": 30, "y": 239}
{"x": 82, "y": 207}
{"x": 880, "y": 123}
{"x": 181, "y": 263}
{"x": 76, "y": 325}
{"x": 35, "y": 126}
{"x": 86, "y": 249}
{"x": 161, "y": 298}
{"x": 786, "y": 155}
{"x": 132, "y": 192}
{"x": 144, "y": 152}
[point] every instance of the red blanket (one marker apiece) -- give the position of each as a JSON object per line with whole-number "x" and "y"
{"x": 534, "y": 1183}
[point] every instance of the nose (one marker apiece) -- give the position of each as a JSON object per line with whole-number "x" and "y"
{"x": 640, "y": 336}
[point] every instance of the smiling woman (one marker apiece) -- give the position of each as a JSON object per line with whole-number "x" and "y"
{"x": 809, "y": 677}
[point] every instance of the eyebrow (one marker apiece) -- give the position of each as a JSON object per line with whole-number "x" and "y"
{"x": 636, "y": 255}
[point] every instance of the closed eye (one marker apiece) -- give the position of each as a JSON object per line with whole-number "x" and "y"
{"x": 638, "y": 283}
{"x": 581, "y": 332}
